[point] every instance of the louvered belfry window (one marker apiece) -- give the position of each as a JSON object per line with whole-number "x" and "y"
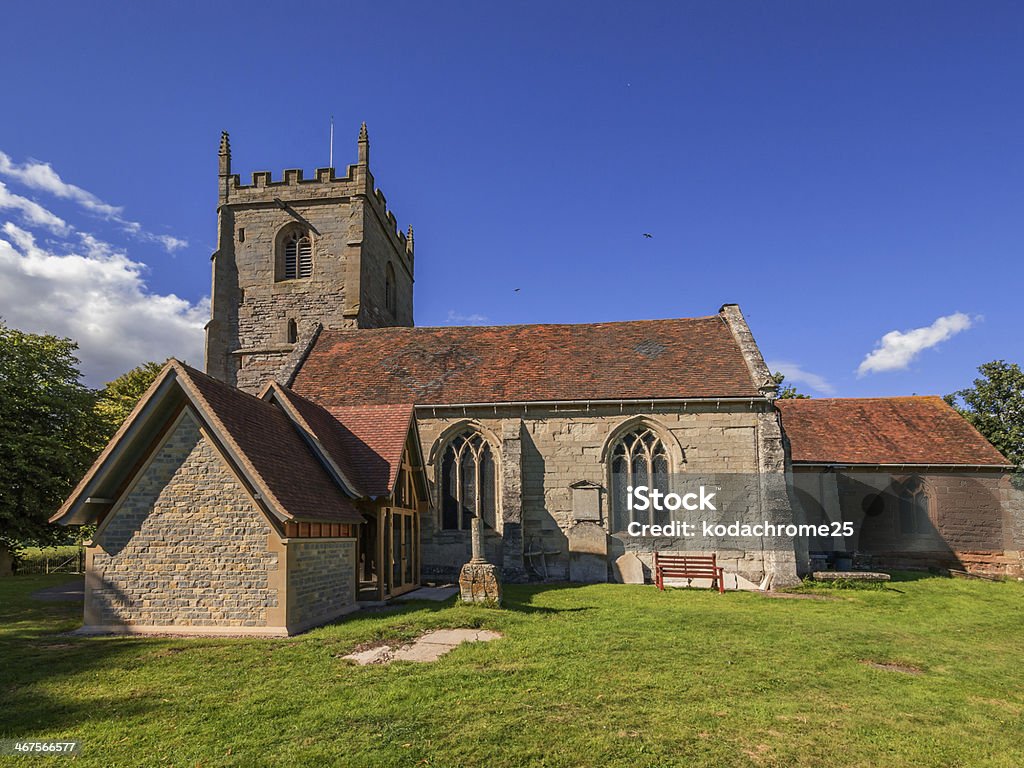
{"x": 298, "y": 256}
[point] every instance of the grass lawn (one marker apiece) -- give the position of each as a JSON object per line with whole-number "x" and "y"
{"x": 584, "y": 676}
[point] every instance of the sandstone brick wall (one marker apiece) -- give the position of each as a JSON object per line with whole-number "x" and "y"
{"x": 264, "y": 305}
{"x": 380, "y": 239}
{"x": 257, "y": 370}
{"x": 187, "y": 546}
{"x": 321, "y": 580}
{"x": 548, "y": 449}
{"x": 973, "y": 515}
{"x": 354, "y": 237}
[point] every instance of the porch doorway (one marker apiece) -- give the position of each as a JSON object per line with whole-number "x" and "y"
{"x": 389, "y": 553}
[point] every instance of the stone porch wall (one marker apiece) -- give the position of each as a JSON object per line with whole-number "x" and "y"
{"x": 321, "y": 581}
{"x": 186, "y": 546}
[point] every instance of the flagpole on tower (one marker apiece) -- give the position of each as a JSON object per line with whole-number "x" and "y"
{"x": 331, "y": 163}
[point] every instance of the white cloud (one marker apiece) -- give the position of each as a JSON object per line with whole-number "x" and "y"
{"x": 32, "y": 212}
{"x": 41, "y": 176}
{"x": 169, "y": 243}
{"x": 796, "y": 375}
{"x": 454, "y": 318}
{"x": 897, "y": 349}
{"x": 96, "y": 295}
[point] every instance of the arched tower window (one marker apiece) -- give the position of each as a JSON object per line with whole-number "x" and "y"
{"x": 390, "y": 291}
{"x": 637, "y": 458}
{"x": 467, "y": 482}
{"x": 298, "y": 255}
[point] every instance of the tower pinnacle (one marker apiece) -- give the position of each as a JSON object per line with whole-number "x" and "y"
{"x": 224, "y": 155}
{"x": 364, "y": 146}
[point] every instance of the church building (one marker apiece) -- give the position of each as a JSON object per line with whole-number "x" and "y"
{"x": 333, "y": 454}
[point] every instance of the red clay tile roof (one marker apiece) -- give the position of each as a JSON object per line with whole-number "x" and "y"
{"x": 376, "y": 438}
{"x": 884, "y": 430}
{"x": 641, "y": 359}
{"x": 275, "y": 451}
{"x": 365, "y": 442}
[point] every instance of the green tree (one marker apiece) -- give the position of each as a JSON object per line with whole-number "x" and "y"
{"x": 48, "y": 432}
{"x": 787, "y": 391}
{"x": 118, "y": 397}
{"x": 995, "y": 406}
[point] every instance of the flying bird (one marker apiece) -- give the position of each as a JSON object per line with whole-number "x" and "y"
{"x": 648, "y": 235}
{"x": 516, "y": 290}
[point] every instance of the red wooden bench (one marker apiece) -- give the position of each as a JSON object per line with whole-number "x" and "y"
{"x": 688, "y": 567}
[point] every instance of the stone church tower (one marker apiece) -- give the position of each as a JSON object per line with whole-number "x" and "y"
{"x": 297, "y": 254}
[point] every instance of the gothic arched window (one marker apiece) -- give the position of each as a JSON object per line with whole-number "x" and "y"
{"x": 637, "y": 458}
{"x": 389, "y": 288}
{"x": 298, "y": 255}
{"x": 914, "y": 508}
{"x": 467, "y": 482}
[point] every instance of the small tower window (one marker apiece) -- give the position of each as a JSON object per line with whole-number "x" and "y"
{"x": 389, "y": 289}
{"x": 293, "y": 332}
{"x": 298, "y": 256}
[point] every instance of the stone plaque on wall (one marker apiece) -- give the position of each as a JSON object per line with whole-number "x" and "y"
{"x": 586, "y": 501}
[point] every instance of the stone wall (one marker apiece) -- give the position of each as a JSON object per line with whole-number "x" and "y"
{"x": 974, "y": 518}
{"x": 379, "y": 238}
{"x": 266, "y": 305}
{"x": 542, "y": 451}
{"x": 321, "y": 581}
{"x": 354, "y": 238}
{"x": 186, "y": 546}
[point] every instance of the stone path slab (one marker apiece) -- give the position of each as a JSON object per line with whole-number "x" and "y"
{"x": 379, "y": 655}
{"x": 436, "y": 594}
{"x": 428, "y": 647}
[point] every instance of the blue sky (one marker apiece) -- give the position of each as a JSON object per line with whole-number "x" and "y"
{"x": 842, "y": 170}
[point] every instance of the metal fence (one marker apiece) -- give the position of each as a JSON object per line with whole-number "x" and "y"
{"x": 60, "y": 562}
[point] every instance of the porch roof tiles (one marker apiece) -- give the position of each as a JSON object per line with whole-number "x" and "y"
{"x": 883, "y": 431}
{"x": 365, "y": 441}
{"x": 275, "y": 451}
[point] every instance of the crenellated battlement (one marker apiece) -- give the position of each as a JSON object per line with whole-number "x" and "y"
{"x": 298, "y": 251}
{"x": 293, "y": 186}
{"x": 294, "y": 176}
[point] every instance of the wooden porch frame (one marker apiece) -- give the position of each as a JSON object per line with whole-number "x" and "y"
{"x": 385, "y": 534}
